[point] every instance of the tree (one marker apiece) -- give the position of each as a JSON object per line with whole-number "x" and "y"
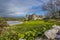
{"x": 52, "y": 6}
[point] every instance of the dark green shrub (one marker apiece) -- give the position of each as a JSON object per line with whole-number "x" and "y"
{"x": 3, "y": 23}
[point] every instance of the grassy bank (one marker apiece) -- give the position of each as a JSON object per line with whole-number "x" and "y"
{"x": 28, "y": 30}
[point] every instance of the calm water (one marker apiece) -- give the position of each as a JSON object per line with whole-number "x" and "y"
{"x": 14, "y": 22}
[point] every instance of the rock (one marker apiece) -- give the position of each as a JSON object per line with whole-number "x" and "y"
{"x": 56, "y": 27}
{"x": 38, "y": 38}
{"x": 51, "y": 34}
{"x": 58, "y": 36}
{"x": 22, "y": 39}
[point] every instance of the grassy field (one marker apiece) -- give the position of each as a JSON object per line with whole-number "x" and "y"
{"x": 28, "y": 30}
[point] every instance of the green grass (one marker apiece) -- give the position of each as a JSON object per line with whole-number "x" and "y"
{"x": 28, "y": 30}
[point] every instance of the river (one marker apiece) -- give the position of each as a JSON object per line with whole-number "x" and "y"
{"x": 14, "y": 22}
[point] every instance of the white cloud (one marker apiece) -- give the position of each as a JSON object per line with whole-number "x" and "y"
{"x": 19, "y": 7}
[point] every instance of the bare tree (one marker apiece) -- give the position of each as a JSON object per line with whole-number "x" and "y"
{"x": 52, "y": 6}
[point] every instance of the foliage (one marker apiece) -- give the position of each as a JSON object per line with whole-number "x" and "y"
{"x": 28, "y": 30}
{"x": 15, "y": 19}
{"x": 3, "y": 22}
{"x": 52, "y": 6}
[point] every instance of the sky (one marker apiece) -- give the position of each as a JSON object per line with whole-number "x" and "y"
{"x": 21, "y": 8}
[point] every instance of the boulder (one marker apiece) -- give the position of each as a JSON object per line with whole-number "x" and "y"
{"x": 52, "y": 33}
{"x": 56, "y": 27}
{"x": 38, "y": 38}
{"x": 57, "y": 37}
{"x": 22, "y": 39}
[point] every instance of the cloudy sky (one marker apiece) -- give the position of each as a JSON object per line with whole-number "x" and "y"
{"x": 19, "y": 8}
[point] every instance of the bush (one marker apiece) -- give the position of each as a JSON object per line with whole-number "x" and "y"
{"x": 28, "y": 30}
{"x": 3, "y": 23}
